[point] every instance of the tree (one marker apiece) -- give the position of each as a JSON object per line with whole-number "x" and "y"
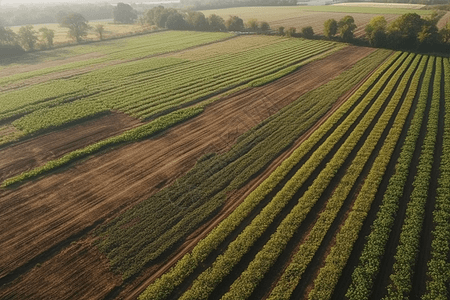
{"x": 77, "y": 25}
{"x": 291, "y": 32}
{"x": 346, "y": 27}
{"x": 99, "y": 29}
{"x": 444, "y": 33}
{"x": 428, "y": 37}
{"x": 7, "y": 36}
{"x": 216, "y": 23}
{"x": 27, "y": 37}
{"x": 281, "y": 30}
{"x": 308, "y": 32}
{"x": 234, "y": 23}
{"x": 403, "y": 32}
{"x": 376, "y": 31}
{"x": 252, "y": 24}
{"x": 176, "y": 21}
{"x": 124, "y": 13}
{"x": 48, "y": 35}
{"x": 264, "y": 26}
{"x": 197, "y": 20}
{"x": 330, "y": 28}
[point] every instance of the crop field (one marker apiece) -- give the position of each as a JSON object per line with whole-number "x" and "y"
{"x": 60, "y": 132}
{"x": 378, "y": 170}
{"x": 314, "y": 16}
{"x": 195, "y": 165}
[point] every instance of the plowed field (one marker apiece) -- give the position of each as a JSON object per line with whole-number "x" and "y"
{"x": 44, "y": 216}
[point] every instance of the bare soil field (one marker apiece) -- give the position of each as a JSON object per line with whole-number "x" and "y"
{"x": 443, "y": 21}
{"x": 45, "y": 216}
{"x": 36, "y": 151}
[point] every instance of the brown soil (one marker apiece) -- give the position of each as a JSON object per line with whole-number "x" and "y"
{"x": 443, "y": 21}
{"x": 42, "y": 215}
{"x": 36, "y": 151}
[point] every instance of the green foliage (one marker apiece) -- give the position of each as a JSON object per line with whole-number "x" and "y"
{"x": 124, "y": 13}
{"x": 153, "y": 87}
{"x": 99, "y": 29}
{"x": 48, "y": 35}
{"x": 346, "y": 26}
{"x": 376, "y": 31}
{"x": 197, "y": 21}
{"x": 77, "y": 24}
{"x": 408, "y": 247}
{"x": 330, "y": 28}
{"x": 308, "y": 32}
{"x": 264, "y": 259}
{"x": 27, "y": 37}
{"x": 369, "y": 263}
{"x": 336, "y": 260}
{"x": 234, "y": 23}
{"x": 281, "y": 30}
{"x": 141, "y": 132}
{"x": 216, "y": 23}
{"x": 252, "y": 24}
{"x": 162, "y": 288}
{"x": 264, "y": 26}
{"x": 439, "y": 266}
{"x": 291, "y": 32}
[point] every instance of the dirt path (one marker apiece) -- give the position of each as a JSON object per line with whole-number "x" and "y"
{"x": 36, "y": 151}
{"x": 43, "y": 214}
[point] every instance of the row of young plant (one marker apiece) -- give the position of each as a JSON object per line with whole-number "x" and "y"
{"x": 293, "y": 273}
{"x": 204, "y": 189}
{"x": 123, "y": 49}
{"x": 208, "y": 182}
{"x": 369, "y": 262}
{"x": 208, "y": 280}
{"x": 438, "y": 266}
{"x": 239, "y": 73}
{"x": 409, "y": 241}
{"x": 336, "y": 260}
{"x": 127, "y": 74}
{"x": 145, "y": 99}
{"x": 132, "y": 135}
{"x": 243, "y": 287}
{"x": 163, "y": 286}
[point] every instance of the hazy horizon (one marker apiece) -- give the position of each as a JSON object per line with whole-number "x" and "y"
{"x": 25, "y": 2}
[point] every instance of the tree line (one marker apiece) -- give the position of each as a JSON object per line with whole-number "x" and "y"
{"x": 408, "y": 32}
{"x": 171, "y": 18}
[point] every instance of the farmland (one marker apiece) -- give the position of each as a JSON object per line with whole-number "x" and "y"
{"x": 198, "y": 165}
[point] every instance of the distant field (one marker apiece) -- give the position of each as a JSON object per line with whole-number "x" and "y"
{"x": 111, "y": 30}
{"x": 382, "y": 5}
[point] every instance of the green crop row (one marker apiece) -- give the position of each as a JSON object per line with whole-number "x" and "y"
{"x": 135, "y": 134}
{"x": 151, "y": 94}
{"x": 439, "y": 266}
{"x": 300, "y": 261}
{"x": 405, "y": 258}
{"x": 250, "y": 278}
{"x": 163, "y": 286}
{"x": 336, "y": 260}
{"x": 369, "y": 261}
{"x": 206, "y": 282}
{"x": 124, "y": 49}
